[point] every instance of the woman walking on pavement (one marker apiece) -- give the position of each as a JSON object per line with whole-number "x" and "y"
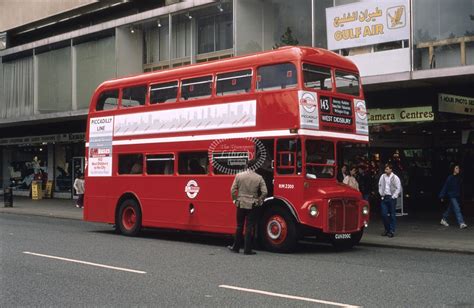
{"x": 452, "y": 191}
{"x": 79, "y": 187}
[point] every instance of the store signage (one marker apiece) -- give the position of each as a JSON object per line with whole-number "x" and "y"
{"x": 411, "y": 114}
{"x": 456, "y": 104}
{"x": 43, "y": 139}
{"x": 367, "y": 23}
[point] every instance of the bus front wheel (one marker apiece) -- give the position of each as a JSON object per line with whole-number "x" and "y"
{"x": 278, "y": 230}
{"x": 129, "y": 220}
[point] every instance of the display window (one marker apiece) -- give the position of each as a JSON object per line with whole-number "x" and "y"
{"x": 28, "y": 164}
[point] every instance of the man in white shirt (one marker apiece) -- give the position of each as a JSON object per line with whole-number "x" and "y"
{"x": 389, "y": 189}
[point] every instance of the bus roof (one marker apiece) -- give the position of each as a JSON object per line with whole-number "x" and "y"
{"x": 287, "y": 53}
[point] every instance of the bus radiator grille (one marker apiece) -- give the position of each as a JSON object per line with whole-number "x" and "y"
{"x": 343, "y": 216}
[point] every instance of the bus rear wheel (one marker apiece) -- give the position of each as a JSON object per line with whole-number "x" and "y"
{"x": 278, "y": 230}
{"x": 129, "y": 218}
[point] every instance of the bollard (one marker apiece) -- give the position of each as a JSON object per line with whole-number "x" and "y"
{"x": 7, "y": 197}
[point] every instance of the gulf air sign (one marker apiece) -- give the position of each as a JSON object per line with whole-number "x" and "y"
{"x": 367, "y": 23}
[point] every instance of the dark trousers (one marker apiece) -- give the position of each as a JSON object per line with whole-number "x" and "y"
{"x": 388, "y": 207}
{"x": 80, "y": 200}
{"x": 249, "y": 218}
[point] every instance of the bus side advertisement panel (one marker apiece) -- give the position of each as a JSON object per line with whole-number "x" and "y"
{"x": 100, "y": 146}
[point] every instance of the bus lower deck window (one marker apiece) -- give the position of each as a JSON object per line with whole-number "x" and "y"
{"x": 193, "y": 163}
{"x": 130, "y": 164}
{"x": 160, "y": 164}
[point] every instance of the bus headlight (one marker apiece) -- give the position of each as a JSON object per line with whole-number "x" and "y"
{"x": 365, "y": 210}
{"x": 313, "y": 210}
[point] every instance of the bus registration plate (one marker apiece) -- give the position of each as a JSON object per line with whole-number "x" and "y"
{"x": 344, "y": 236}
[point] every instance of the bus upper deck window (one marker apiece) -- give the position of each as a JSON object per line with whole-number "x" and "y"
{"x": 108, "y": 100}
{"x": 276, "y": 77}
{"x": 134, "y": 96}
{"x": 163, "y": 92}
{"x": 347, "y": 83}
{"x": 317, "y": 77}
{"x": 234, "y": 83}
{"x": 196, "y": 88}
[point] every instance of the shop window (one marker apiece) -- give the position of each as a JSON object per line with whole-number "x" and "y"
{"x": 320, "y": 159}
{"x": 276, "y": 77}
{"x": 130, "y": 164}
{"x": 317, "y": 77}
{"x": 288, "y": 156}
{"x": 196, "y": 88}
{"x": 347, "y": 83}
{"x": 163, "y": 92}
{"x": 193, "y": 163}
{"x": 160, "y": 164}
{"x": 108, "y": 100}
{"x": 234, "y": 83}
{"x": 134, "y": 96}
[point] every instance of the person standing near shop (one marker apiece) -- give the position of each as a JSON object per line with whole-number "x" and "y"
{"x": 79, "y": 187}
{"x": 365, "y": 182}
{"x": 389, "y": 190}
{"x": 452, "y": 191}
{"x": 248, "y": 192}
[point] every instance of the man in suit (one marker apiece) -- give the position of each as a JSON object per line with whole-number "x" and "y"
{"x": 248, "y": 192}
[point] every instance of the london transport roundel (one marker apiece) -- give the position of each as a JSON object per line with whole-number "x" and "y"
{"x": 191, "y": 189}
{"x": 361, "y": 110}
{"x": 308, "y": 101}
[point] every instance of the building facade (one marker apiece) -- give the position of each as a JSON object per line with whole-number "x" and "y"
{"x": 416, "y": 59}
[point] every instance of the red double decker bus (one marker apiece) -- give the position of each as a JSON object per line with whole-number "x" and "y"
{"x": 163, "y": 147}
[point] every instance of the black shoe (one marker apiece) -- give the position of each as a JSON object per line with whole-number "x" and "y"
{"x": 385, "y": 233}
{"x": 231, "y": 248}
{"x": 390, "y": 234}
{"x": 250, "y": 253}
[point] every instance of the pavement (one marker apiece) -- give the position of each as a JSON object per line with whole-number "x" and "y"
{"x": 420, "y": 231}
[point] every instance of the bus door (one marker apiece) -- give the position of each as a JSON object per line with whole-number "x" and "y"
{"x": 288, "y": 182}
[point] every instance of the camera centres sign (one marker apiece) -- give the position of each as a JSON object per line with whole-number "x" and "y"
{"x": 412, "y": 114}
{"x": 367, "y": 23}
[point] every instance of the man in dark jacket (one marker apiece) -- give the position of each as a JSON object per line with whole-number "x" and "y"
{"x": 452, "y": 191}
{"x": 248, "y": 192}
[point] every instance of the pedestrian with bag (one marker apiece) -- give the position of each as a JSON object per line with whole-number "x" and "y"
{"x": 452, "y": 191}
{"x": 389, "y": 190}
{"x": 79, "y": 187}
{"x": 248, "y": 192}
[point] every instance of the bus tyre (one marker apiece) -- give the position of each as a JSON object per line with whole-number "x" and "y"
{"x": 129, "y": 220}
{"x": 345, "y": 244}
{"x": 278, "y": 230}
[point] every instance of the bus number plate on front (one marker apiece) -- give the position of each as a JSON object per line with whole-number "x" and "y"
{"x": 344, "y": 236}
